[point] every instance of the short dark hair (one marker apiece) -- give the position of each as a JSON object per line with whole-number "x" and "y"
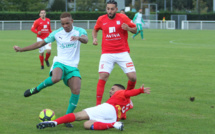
{"x": 120, "y": 86}
{"x": 42, "y": 10}
{"x": 65, "y": 14}
{"x": 112, "y": 2}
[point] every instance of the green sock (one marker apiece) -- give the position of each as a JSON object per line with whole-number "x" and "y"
{"x": 47, "y": 82}
{"x": 136, "y": 34}
{"x": 141, "y": 33}
{"x": 72, "y": 103}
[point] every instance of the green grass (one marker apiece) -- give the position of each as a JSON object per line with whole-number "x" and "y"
{"x": 176, "y": 64}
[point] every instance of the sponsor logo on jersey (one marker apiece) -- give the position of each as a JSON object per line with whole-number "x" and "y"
{"x": 67, "y": 45}
{"x": 112, "y": 29}
{"x": 118, "y": 22}
{"x": 130, "y": 64}
{"x": 113, "y": 35}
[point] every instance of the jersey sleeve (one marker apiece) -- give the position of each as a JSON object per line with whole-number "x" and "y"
{"x": 83, "y": 32}
{"x": 135, "y": 17}
{"x": 133, "y": 92}
{"x": 50, "y": 38}
{"x": 34, "y": 27}
{"x": 142, "y": 21}
{"x": 128, "y": 21}
{"x": 98, "y": 24}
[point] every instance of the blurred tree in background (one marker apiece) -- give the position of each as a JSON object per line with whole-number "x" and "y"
{"x": 58, "y": 5}
{"x": 188, "y": 6}
{"x": 90, "y": 5}
{"x": 23, "y": 5}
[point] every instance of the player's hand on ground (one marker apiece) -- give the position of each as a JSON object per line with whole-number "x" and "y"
{"x": 124, "y": 26}
{"x": 95, "y": 41}
{"x": 73, "y": 38}
{"x": 145, "y": 89}
{"x": 17, "y": 48}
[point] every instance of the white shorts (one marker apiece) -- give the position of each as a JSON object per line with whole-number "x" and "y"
{"x": 107, "y": 62}
{"x": 43, "y": 48}
{"x": 105, "y": 113}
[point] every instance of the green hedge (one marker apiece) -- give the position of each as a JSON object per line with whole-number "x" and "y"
{"x": 190, "y": 16}
{"x": 94, "y": 15}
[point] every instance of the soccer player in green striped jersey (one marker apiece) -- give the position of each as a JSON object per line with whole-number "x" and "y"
{"x": 138, "y": 20}
{"x": 65, "y": 64}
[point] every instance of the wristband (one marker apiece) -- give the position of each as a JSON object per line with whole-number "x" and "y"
{"x": 142, "y": 89}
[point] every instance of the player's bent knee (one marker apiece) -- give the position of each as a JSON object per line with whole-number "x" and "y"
{"x": 133, "y": 79}
{"x": 76, "y": 91}
{"x": 103, "y": 76}
{"x": 132, "y": 76}
{"x": 55, "y": 80}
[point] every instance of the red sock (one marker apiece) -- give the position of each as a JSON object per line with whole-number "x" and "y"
{"x": 47, "y": 56}
{"x": 102, "y": 126}
{"x": 41, "y": 60}
{"x": 66, "y": 119}
{"x": 130, "y": 85}
{"x": 100, "y": 91}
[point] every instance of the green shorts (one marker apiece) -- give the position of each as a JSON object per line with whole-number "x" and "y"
{"x": 68, "y": 72}
{"x": 139, "y": 27}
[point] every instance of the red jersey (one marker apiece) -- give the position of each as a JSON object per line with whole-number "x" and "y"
{"x": 121, "y": 101}
{"x": 114, "y": 38}
{"x": 42, "y": 25}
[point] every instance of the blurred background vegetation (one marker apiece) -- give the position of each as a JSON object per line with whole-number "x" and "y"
{"x": 189, "y": 6}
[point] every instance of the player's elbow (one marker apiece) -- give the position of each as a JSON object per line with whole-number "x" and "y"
{"x": 85, "y": 41}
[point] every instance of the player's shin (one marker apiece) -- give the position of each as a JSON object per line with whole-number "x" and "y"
{"x": 47, "y": 56}
{"x": 65, "y": 119}
{"x": 47, "y": 82}
{"x": 72, "y": 103}
{"x": 41, "y": 60}
{"x": 141, "y": 33}
{"x": 101, "y": 126}
{"x": 131, "y": 85}
{"x": 100, "y": 91}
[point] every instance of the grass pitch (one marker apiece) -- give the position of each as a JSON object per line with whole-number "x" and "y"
{"x": 176, "y": 64}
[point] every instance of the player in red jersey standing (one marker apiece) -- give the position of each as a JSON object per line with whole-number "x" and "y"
{"x": 42, "y": 28}
{"x": 104, "y": 116}
{"x": 115, "y": 49}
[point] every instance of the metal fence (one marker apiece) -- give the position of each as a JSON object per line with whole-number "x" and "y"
{"x": 86, "y": 24}
{"x": 198, "y": 25}
{"x": 55, "y": 24}
{"x": 159, "y": 24}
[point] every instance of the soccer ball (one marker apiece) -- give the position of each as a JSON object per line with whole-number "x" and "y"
{"x": 46, "y": 115}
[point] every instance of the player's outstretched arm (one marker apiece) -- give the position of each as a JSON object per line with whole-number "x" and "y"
{"x": 31, "y": 47}
{"x": 145, "y": 89}
{"x": 135, "y": 92}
